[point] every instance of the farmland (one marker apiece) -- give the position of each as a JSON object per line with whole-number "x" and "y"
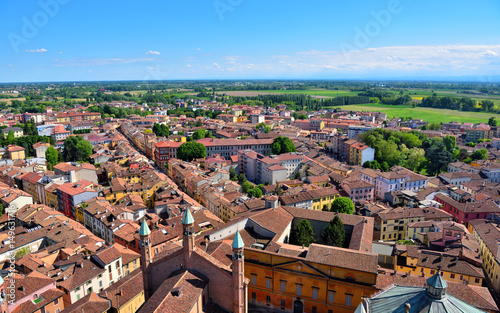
{"x": 430, "y": 115}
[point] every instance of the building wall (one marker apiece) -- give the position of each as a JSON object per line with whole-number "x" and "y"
{"x": 134, "y": 304}
{"x": 490, "y": 265}
{"x": 265, "y": 287}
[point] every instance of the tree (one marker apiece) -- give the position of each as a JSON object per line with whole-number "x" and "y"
{"x": 76, "y": 149}
{"x": 255, "y": 192}
{"x": 481, "y": 154}
{"x": 199, "y": 134}
{"x": 147, "y": 131}
{"x": 242, "y": 178}
{"x": 463, "y": 154}
{"x": 334, "y": 233}
{"x": 1, "y": 210}
{"x": 450, "y": 142}
{"x": 52, "y": 156}
{"x": 415, "y": 159}
{"x": 232, "y": 174}
{"x": 189, "y": 151}
{"x": 342, "y": 205}
{"x": 438, "y": 158}
{"x": 492, "y": 121}
{"x": 246, "y": 186}
{"x": 384, "y": 167}
{"x": 282, "y": 145}
{"x": 10, "y": 137}
{"x": 302, "y": 234}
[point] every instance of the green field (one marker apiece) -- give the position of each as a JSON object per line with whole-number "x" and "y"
{"x": 430, "y": 115}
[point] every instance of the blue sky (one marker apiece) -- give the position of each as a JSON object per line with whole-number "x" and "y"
{"x": 71, "y": 40}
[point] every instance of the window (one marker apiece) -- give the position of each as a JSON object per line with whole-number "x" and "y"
{"x": 100, "y": 283}
{"x": 315, "y": 293}
{"x": 348, "y": 299}
{"x": 254, "y": 296}
{"x": 452, "y": 276}
{"x": 268, "y": 299}
{"x": 56, "y": 301}
{"x": 282, "y": 302}
{"x": 57, "y": 311}
{"x": 476, "y": 280}
{"x": 442, "y": 274}
{"x": 268, "y": 283}
{"x": 432, "y": 272}
{"x": 331, "y": 296}
{"x": 299, "y": 290}
{"x": 254, "y": 279}
{"x": 77, "y": 297}
{"x": 283, "y": 286}
{"x": 314, "y": 309}
{"x": 118, "y": 264}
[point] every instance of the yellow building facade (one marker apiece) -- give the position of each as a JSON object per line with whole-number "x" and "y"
{"x": 282, "y": 282}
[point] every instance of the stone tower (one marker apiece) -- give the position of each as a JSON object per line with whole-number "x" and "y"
{"x": 239, "y": 289}
{"x": 146, "y": 256}
{"x": 188, "y": 237}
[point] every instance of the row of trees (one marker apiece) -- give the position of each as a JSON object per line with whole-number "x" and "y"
{"x": 454, "y": 103}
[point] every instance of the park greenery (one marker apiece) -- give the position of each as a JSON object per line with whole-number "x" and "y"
{"x": 413, "y": 150}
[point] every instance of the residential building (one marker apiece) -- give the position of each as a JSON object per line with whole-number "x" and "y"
{"x": 392, "y": 222}
{"x": 479, "y": 131}
{"x": 468, "y": 211}
{"x": 40, "y": 149}
{"x": 487, "y": 233}
{"x": 360, "y": 153}
{"x": 358, "y": 189}
{"x": 260, "y": 169}
{"x": 164, "y": 150}
{"x": 70, "y": 195}
{"x": 17, "y": 131}
{"x": 15, "y": 153}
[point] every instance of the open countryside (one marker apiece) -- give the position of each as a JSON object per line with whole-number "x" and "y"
{"x": 430, "y": 115}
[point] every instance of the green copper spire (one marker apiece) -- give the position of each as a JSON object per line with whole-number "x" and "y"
{"x": 188, "y": 218}
{"x": 237, "y": 241}
{"x": 144, "y": 231}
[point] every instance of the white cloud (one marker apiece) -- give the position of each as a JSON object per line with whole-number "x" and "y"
{"x": 37, "y": 50}
{"x": 198, "y": 49}
{"x": 10, "y": 65}
{"x": 153, "y": 52}
{"x": 188, "y": 65}
{"x": 90, "y": 70}
{"x": 59, "y": 52}
{"x": 216, "y": 65}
